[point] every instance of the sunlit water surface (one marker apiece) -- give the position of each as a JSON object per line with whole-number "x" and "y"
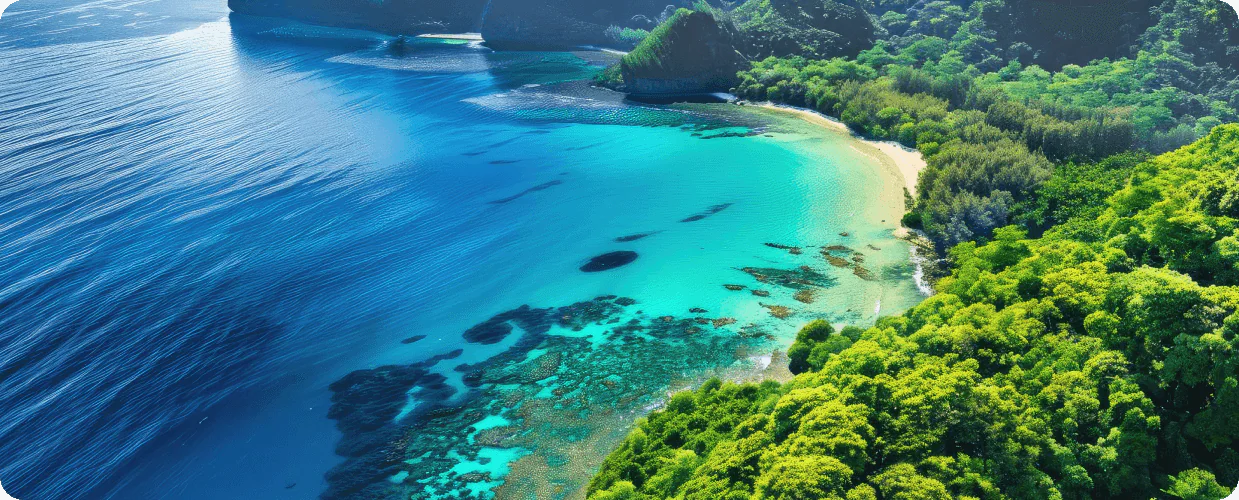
{"x": 203, "y": 226}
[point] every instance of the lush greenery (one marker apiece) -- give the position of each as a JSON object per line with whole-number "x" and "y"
{"x": 1086, "y": 342}
{"x": 809, "y": 28}
{"x": 1100, "y": 360}
{"x": 691, "y": 50}
{"x": 990, "y": 123}
{"x": 965, "y": 82}
{"x": 626, "y": 37}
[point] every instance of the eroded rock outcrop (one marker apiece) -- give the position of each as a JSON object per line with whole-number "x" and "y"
{"x": 690, "y": 53}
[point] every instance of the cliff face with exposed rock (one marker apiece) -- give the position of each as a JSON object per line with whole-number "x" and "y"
{"x": 389, "y": 16}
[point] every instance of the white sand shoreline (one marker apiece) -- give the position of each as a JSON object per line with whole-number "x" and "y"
{"x": 470, "y": 37}
{"x": 908, "y": 162}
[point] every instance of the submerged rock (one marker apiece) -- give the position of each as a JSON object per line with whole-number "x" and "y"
{"x": 634, "y": 237}
{"x": 413, "y": 339}
{"x": 795, "y": 279}
{"x": 539, "y": 187}
{"x": 781, "y": 312}
{"x": 497, "y": 328}
{"x": 837, "y": 261}
{"x": 490, "y": 332}
{"x": 552, "y": 395}
{"x": 863, "y": 273}
{"x": 708, "y": 212}
{"x": 609, "y": 261}
{"x": 790, "y": 249}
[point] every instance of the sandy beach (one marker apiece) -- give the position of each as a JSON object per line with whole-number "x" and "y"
{"x": 909, "y": 162}
{"x": 470, "y": 37}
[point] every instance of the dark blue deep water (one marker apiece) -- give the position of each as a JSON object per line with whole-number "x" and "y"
{"x": 205, "y": 221}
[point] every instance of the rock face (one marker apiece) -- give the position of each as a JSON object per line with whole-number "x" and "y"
{"x": 563, "y": 24}
{"x": 389, "y": 16}
{"x": 690, "y": 53}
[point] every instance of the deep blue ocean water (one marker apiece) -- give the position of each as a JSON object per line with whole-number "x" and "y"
{"x": 205, "y": 221}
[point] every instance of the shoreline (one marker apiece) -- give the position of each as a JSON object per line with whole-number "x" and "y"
{"x": 469, "y": 37}
{"x": 908, "y": 162}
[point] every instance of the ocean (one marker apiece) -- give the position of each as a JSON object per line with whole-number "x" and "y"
{"x": 211, "y": 226}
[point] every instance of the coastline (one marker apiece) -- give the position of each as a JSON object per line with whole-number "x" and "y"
{"x": 468, "y": 37}
{"x": 908, "y": 162}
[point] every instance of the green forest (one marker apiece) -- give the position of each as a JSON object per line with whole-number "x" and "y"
{"x": 1100, "y": 360}
{"x": 1083, "y": 183}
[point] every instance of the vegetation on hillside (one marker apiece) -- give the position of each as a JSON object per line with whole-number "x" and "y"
{"x": 991, "y": 126}
{"x": 809, "y": 28}
{"x": 1100, "y": 360}
{"x": 1086, "y": 342}
{"x": 690, "y": 45}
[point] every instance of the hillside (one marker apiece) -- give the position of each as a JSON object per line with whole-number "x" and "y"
{"x": 809, "y": 28}
{"x": 1054, "y": 367}
{"x": 690, "y": 52}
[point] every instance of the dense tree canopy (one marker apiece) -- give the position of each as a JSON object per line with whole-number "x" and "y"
{"x": 965, "y": 81}
{"x": 1086, "y": 342}
{"x": 1051, "y": 367}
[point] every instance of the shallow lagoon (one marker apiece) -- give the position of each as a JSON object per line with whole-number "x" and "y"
{"x": 225, "y": 221}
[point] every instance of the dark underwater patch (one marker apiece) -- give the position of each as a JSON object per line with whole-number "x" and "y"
{"x": 517, "y": 196}
{"x": 565, "y": 386}
{"x": 413, "y": 339}
{"x": 609, "y": 261}
{"x": 503, "y": 143}
{"x": 634, "y": 237}
{"x": 708, "y": 212}
{"x": 504, "y": 162}
{"x": 795, "y": 279}
{"x": 587, "y": 146}
{"x": 497, "y": 328}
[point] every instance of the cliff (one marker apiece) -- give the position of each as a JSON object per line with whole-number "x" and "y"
{"x": 690, "y": 53}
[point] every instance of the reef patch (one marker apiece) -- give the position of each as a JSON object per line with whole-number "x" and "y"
{"x": 517, "y": 196}
{"x": 531, "y": 420}
{"x": 708, "y": 212}
{"x": 634, "y": 237}
{"x": 609, "y": 261}
{"x": 795, "y": 279}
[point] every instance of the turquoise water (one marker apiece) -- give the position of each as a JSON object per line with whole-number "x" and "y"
{"x": 206, "y": 231}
